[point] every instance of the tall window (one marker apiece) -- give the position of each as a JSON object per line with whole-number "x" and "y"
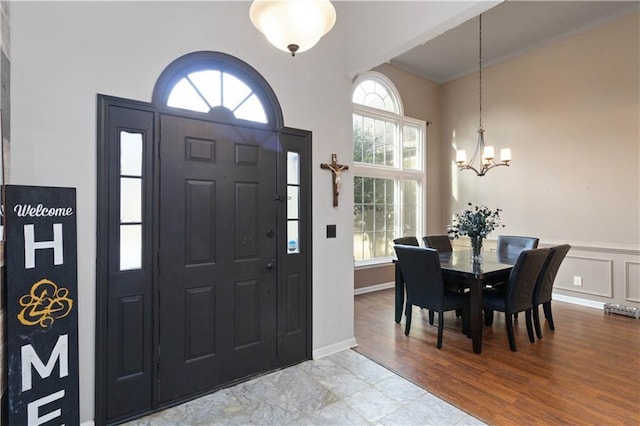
{"x": 389, "y": 170}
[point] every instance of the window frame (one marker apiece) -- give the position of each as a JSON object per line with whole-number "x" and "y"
{"x": 396, "y": 173}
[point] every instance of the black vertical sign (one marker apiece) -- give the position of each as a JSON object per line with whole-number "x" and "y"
{"x": 42, "y": 305}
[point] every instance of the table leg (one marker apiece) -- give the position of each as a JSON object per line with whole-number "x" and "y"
{"x": 475, "y": 314}
{"x": 399, "y": 293}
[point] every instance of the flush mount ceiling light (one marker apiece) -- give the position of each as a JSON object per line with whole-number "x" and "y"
{"x": 293, "y": 25}
{"x": 487, "y": 162}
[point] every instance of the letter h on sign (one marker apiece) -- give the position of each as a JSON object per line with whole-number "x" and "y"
{"x": 30, "y": 246}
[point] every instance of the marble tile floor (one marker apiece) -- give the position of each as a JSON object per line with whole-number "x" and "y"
{"x": 343, "y": 389}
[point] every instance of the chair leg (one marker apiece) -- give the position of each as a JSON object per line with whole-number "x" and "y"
{"x": 488, "y": 317}
{"x": 508, "y": 318}
{"x": 527, "y": 317}
{"x": 536, "y": 322}
{"x": 440, "y": 327}
{"x": 431, "y": 316}
{"x": 407, "y": 313}
{"x": 547, "y": 314}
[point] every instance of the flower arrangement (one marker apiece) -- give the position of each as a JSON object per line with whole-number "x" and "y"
{"x": 476, "y": 222}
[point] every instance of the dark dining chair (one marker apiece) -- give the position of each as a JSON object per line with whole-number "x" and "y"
{"x": 518, "y": 292}
{"x": 412, "y": 241}
{"x": 407, "y": 241}
{"x": 425, "y": 286}
{"x": 542, "y": 293}
{"x": 442, "y": 243}
{"x": 510, "y": 246}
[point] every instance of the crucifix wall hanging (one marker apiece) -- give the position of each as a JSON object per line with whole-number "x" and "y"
{"x": 336, "y": 172}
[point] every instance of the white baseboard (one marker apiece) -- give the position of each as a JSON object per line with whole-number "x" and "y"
{"x": 369, "y": 289}
{"x": 578, "y": 301}
{"x": 334, "y": 348}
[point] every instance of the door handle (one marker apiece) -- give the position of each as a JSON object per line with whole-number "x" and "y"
{"x": 271, "y": 266}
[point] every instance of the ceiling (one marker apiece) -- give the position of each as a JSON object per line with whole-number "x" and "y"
{"x": 508, "y": 30}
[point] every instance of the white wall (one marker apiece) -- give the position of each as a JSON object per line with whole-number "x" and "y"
{"x": 65, "y": 53}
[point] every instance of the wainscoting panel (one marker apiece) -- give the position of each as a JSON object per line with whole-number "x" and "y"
{"x": 632, "y": 281}
{"x": 596, "y": 275}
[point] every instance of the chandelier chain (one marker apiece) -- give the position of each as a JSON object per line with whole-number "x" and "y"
{"x": 480, "y": 67}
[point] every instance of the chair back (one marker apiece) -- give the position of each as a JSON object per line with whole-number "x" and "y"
{"x": 510, "y": 246}
{"x": 523, "y": 278}
{"x": 442, "y": 243}
{"x": 544, "y": 286}
{"x": 407, "y": 241}
{"x": 422, "y": 276}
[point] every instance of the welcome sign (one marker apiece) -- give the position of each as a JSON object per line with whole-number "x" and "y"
{"x": 42, "y": 309}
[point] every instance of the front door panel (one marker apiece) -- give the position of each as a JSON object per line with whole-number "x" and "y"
{"x": 217, "y": 256}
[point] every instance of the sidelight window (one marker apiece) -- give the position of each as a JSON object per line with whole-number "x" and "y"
{"x": 293, "y": 202}
{"x": 130, "y": 200}
{"x": 388, "y": 153}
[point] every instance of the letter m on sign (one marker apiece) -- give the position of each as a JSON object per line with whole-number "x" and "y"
{"x": 30, "y": 358}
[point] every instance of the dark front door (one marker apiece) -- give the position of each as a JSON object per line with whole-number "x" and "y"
{"x": 217, "y": 251}
{"x": 193, "y": 216}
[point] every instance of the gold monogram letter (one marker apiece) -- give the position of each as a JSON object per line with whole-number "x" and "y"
{"x": 44, "y": 304}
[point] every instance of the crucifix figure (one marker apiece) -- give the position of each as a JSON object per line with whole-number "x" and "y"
{"x": 336, "y": 174}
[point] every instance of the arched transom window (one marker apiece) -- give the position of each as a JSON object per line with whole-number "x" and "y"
{"x": 205, "y": 90}
{"x": 220, "y": 86}
{"x": 374, "y": 94}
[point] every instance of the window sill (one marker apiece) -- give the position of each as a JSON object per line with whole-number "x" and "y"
{"x": 375, "y": 263}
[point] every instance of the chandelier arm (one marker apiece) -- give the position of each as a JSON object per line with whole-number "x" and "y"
{"x": 494, "y": 164}
{"x": 479, "y": 147}
{"x": 470, "y": 167}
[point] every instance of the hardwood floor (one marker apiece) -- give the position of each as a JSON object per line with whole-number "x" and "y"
{"x": 586, "y": 372}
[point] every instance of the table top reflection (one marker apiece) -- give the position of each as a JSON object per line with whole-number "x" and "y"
{"x": 460, "y": 261}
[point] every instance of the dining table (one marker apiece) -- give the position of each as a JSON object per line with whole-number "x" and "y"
{"x": 458, "y": 269}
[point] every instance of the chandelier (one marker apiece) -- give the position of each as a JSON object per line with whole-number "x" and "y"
{"x": 487, "y": 161}
{"x": 293, "y": 25}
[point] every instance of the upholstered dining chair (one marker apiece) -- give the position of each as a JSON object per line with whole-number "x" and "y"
{"x": 518, "y": 292}
{"x": 425, "y": 286}
{"x": 542, "y": 294}
{"x": 510, "y": 246}
{"x": 407, "y": 241}
{"x": 442, "y": 243}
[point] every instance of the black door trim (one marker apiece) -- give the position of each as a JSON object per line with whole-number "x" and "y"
{"x": 104, "y": 211}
